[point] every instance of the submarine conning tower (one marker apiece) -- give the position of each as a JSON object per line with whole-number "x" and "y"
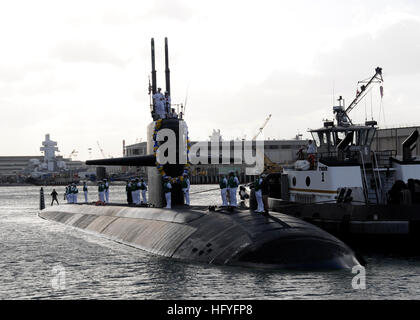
{"x": 166, "y": 145}
{"x": 170, "y": 159}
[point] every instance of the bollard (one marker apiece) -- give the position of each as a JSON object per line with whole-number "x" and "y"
{"x": 41, "y": 199}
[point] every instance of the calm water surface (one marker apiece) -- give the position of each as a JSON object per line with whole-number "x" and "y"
{"x": 97, "y": 268}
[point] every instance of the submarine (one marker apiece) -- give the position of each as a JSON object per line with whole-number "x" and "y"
{"x": 212, "y": 235}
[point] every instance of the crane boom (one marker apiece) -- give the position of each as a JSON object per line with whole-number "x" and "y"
{"x": 102, "y": 151}
{"x": 363, "y": 89}
{"x": 262, "y": 127}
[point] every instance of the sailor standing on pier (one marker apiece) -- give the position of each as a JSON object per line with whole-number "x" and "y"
{"x": 233, "y": 184}
{"x": 143, "y": 188}
{"x": 167, "y": 190}
{"x": 186, "y": 189}
{"x": 54, "y": 197}
{"x": 85, "y": 191}
{"x": 223, "y": 187}
{"x": 106, "y": 184}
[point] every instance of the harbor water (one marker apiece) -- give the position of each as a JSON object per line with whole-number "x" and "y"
{"x": 35, "y": 251}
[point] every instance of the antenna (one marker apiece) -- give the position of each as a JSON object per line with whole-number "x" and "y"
{"x": 153, "y": 67}
{"x": 167, "y": 72}
{"x": 186, "y": 98}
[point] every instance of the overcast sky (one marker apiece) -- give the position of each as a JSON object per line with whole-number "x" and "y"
{"x": 79, "y": 69}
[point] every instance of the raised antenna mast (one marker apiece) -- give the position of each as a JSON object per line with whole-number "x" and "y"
{"x": 153, "y": 68}
{"x": 167, "y": 72}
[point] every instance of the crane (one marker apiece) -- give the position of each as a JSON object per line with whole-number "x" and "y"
{"x": 342, "y": 114}
{"x": 262, "y": 127}
{"x": 100, "y": 149}
{"x": 73, "y": 153}
{"x": 377, "y": 78}
{"x": 269, "y": 166}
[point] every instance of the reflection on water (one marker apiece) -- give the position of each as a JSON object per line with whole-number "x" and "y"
{"x": 98, "y": 268}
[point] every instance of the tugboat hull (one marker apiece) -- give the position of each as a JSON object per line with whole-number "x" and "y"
{"x": 368, "y": 228}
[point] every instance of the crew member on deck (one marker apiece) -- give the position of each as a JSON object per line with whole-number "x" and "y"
{"x": 137, "y": 191}
{"x": 106, "y": 185}
{"x": 67, "y": 193}
{"x": 143, "y": 188}
{"x": 54, "y": 196}
{"x": 85, "y": 191}
{"x": 134, "y": 190}
{"x": 223, "y": 187}
{"x": 71, "y": 198}
{"x": 167, "y": 190}
{"x": 258, "y": 194}
{"x": 167, "y": 103}
{"x": 101, "y": 188}
{"x": 159, "y": 103}
{"x": 174, "y": 114}
{"x": 311, "y": 154}
{"x": 233, "y": 183}
{"x": 265, "y": 189}
{"x": 128, "y": 191}
{"x": 74, "y": 191}
{"x": 186, "y": 189}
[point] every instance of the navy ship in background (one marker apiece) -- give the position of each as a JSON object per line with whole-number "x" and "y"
{"x": 216, "y": 235}
{"x": 369, "y": 199}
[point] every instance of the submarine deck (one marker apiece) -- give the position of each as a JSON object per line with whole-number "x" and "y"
{"x": 195, "y": 233}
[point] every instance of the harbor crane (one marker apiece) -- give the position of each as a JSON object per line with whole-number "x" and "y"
{"x": 262, "y": 127}
{"x": 269, "y": 166}
{"x": 73, "y": 154}
{"x": 102, "y": 151}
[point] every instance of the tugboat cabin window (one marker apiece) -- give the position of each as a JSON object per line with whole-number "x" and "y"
{"x": 317, "y": 138}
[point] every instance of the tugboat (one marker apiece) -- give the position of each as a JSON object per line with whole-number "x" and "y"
{"x": 369, "y": 199}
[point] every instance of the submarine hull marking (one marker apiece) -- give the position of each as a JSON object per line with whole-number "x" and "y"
{"x": 241, "y": 238}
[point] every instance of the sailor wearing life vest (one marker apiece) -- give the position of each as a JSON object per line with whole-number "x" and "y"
{"x": 74, "y": 191}
{"x": 85, "y": 191}
{"x": 258, "y": 194}
{"x": 167, "y": 190}
{"x": 233, "y": 183}
{"x": 223, "y": 187}
{"x": 159, "y": 103}
{"x": 143, "y": 188}
{"x": 186, "y": 189}
{"x": 106, "y": 191}
{"x": 101, "y": 189}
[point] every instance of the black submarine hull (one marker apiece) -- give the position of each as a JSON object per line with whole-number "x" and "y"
{"x": 220, "y": 237}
